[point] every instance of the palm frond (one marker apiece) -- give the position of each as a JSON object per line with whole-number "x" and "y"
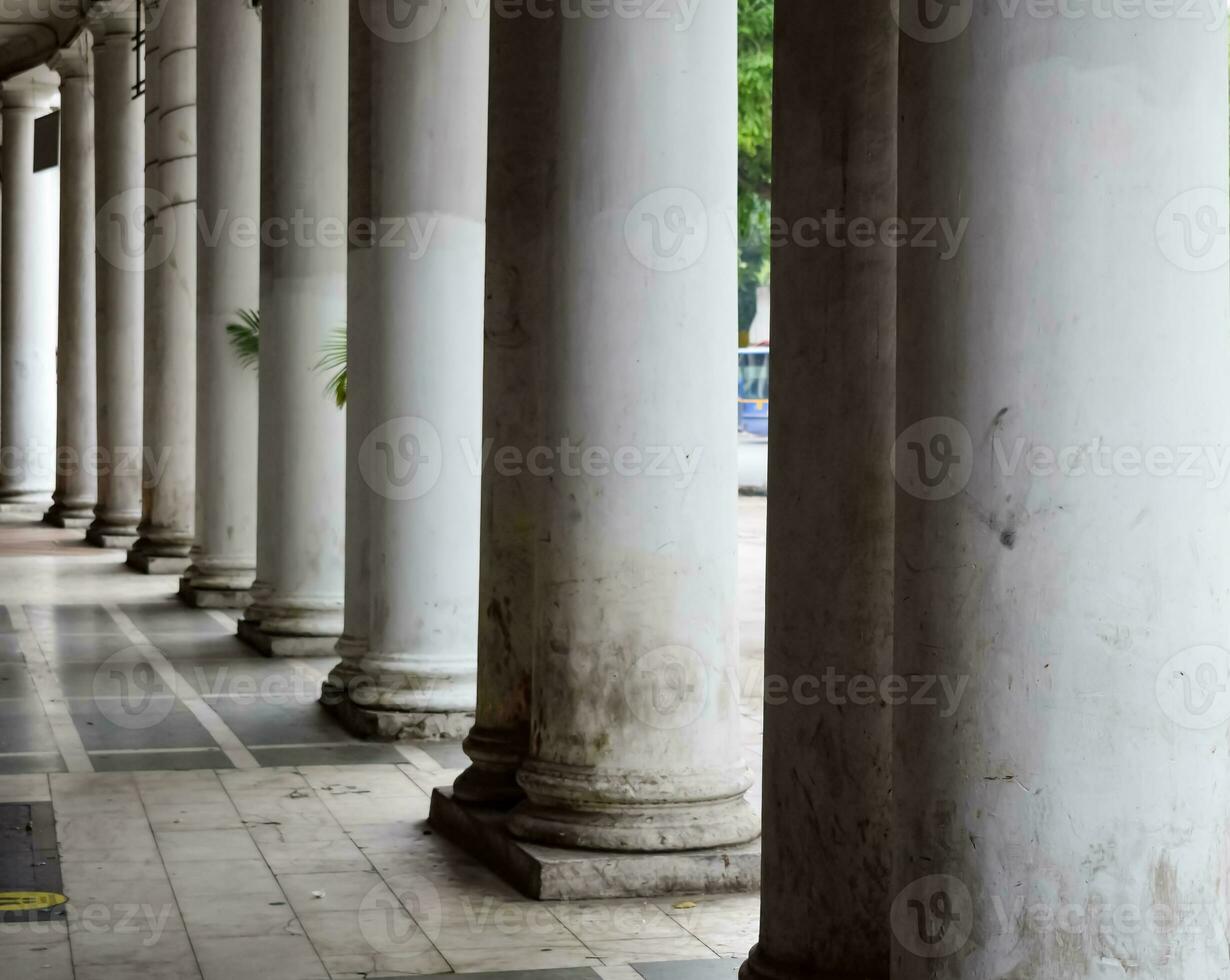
{"x": 246, "y": 337}
{"x": 333, "y": 358}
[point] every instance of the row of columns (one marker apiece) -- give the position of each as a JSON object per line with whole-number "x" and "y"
{"x": 576, "y": 615}
{"x": 602, "y": 607}
{"x": 121, "y": 457}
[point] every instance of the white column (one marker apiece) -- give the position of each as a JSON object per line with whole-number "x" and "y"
{"x": 166, "y": 532}
{"x": 76, "y": 492}
{"x": 120, "y": 265}
{"x": 523, "y": 145}
{"x": 352, "y": 644}
{"x": 826, "y": 872}
{"x": 429, "y": 126}
{"x": 300, "y": 553}
{"x": 155, "y": 247}
{"x": 29, "y": 259}
{"x": 228, "y": 281}
{"x": 635, "y": 741}
{"x": 1067, "y": 814}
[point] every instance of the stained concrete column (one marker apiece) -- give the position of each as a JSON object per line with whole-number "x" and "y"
{"x": 76, "y": 492}
{"x": 166, "y": 532}
{"x": 345, "y": 677}
{"x": 1068, "y": 814}
{"x": 228, "y": 281}
{"x": 120, "y": 265}
{"x": 523, "y": 144}
{"x": 300, "y": 551}
{"x": 429, "y": 154}
{"x": 635, "y": 738}
{"x": 829, "y": 613}
{"x": 28, "y": 301}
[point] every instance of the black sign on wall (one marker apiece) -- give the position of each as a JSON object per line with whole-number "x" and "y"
{"x": 47, "y": 142}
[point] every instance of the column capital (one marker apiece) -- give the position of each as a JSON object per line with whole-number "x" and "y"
{"x": 74, "y": 61}
{"x": 113, "y": 19}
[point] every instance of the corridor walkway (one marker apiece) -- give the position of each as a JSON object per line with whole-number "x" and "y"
{"x": 210, "y": 820}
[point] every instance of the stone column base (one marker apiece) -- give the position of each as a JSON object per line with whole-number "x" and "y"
{"x": 557, "y": 874}
{"x": 200, "y": 598}
{"x": 66, "y": 520}
{"x": 491, "y": 778}
{"x": 283, "y": 645}
{"x": 390, "y": 725}
{"x": 106, "y": 538}
{"x": 149, "y": 564}
{"x": 74, "y": 513}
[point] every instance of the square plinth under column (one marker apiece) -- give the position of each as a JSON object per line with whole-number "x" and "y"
{"x": 119, "y": 542}
{"x": 57, "y": 520}
{"x": 213, "y": 598}
{"x": 559, "y": 874}
{"x": 275, "y": 645}
{"x": 156, "y": 564}
{"x": 392, "y": 726}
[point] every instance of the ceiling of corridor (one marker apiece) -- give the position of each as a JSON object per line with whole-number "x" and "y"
{"x": 31, "y": 30}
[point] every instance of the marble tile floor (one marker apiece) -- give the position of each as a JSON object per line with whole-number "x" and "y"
{"x": 316, "y": 872}
{"x": 213, "y": 822}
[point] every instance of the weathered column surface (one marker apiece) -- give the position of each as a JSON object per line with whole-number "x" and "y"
{"x": 166, "y": 531}
{"x": 76, "y": 491}
{"x": 300, "y": 554}
{"x": 360, "y": 257}
{"x": 28, "y": 300}
{"x": 1058, "y": 561}
{"x": 120, "y": 266}
{"x": 228, "y": 282}
{"x": 829, "y": 613}
{"x": 428, "y": 159}
{"x": 523, "y": 143}
{"x": 635, "y": 738}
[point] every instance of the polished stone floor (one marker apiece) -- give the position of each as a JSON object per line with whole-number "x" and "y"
{"x": 212, "y": 821}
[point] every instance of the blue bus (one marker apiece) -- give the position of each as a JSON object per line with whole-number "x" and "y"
{"x": 754, "y": 390}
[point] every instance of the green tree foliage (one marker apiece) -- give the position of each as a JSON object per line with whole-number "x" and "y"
{"x": 245, "y": 337}
{"x": 333, "y": 362}
{"x": 755, "y": 149}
